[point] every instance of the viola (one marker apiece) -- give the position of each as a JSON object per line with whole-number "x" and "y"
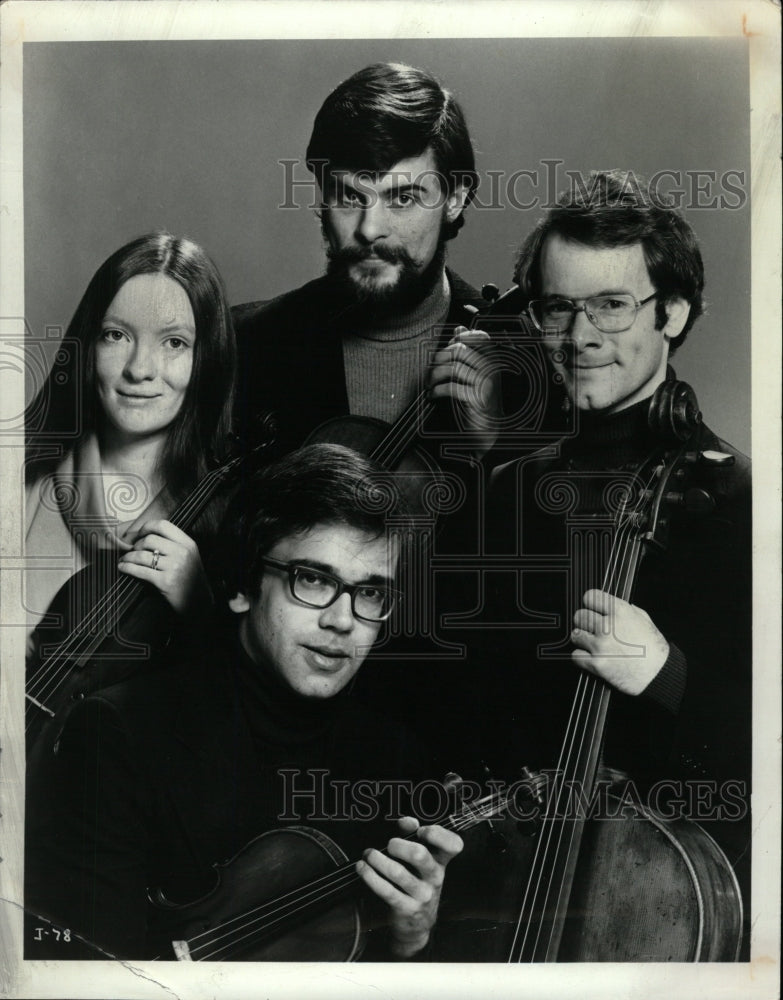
{"x": 97, "y": 651}
{"x": 398, "y": 446}
{"x": 288, "y": 895}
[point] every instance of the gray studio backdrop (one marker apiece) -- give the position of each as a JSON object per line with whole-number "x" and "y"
{"x": 124, "y": 137}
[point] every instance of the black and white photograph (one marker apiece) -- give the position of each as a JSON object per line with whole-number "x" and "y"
{"x": 390, "y": 443}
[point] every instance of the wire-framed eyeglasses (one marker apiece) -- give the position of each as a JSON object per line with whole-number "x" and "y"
{"x": 610, "y": 313}
{"x": 371, "y": 602}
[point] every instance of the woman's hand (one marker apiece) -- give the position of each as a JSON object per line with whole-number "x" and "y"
{"x": 411, "y": 890}
{"x": 166, "y": 557}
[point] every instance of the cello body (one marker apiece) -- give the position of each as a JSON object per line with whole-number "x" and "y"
{"x": 652, "y": 890}
{"x": 645, "y": 889}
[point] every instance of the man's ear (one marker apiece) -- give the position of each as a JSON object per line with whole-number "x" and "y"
{"x": 677, "y": 312}
{"x": 456, "y": 201}
{"x": 239, "y": 604}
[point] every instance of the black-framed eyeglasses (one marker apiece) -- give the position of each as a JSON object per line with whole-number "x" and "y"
{"x": 371, "y": 602}
{"x": 610, "y": 313}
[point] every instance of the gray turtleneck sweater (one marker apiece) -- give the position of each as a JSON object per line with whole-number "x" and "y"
{"x": 385, "y": 364}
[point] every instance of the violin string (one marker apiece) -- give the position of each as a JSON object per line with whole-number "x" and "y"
{"x": 113, "y": 603}
{"x": 477, "y": 812}
{"x": 304, "y": 898}
{"x": 390, "y": 449}
{"x": 264, "y": 917}
{"x": 624, "y": 542}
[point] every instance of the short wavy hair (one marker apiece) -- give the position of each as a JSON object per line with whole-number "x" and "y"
{"x": 617, "y": 209}
{"x": 316, "y": 484}
{"x": 389, "y": 112}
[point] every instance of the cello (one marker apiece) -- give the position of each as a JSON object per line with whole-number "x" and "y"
{"x": 634, "y": 886}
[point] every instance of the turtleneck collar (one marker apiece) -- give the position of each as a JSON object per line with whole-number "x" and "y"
{"x": 610, "y": 441}
{"x": 430, "y": 312}
{"x": 276, "y": 715}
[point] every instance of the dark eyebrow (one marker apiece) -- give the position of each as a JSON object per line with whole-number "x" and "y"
{"x": 342, "y": 185}
{"x": 375, "y": 578}
{"x": 405, "y": 188}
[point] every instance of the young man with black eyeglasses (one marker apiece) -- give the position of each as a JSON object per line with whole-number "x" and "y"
{"x": 613, "y": 279}
{"x": 156, "y": 781}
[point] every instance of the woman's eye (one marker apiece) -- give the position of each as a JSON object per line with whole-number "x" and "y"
{"x": 177, "y": 343}
{"x": 112, "y": 336}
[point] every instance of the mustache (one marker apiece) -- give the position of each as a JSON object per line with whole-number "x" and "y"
{"x": 356, "y": 254}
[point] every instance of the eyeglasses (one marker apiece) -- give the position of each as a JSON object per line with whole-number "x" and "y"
{"x": 611, "y": 313}
{"x": 369, "y": 601}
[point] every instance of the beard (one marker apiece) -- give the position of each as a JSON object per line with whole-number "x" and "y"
{"x": 407, "y": 291}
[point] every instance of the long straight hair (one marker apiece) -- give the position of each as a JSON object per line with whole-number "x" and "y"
{"x": 66, "y": 407}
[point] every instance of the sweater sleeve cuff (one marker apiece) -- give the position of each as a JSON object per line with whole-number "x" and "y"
{"x": 668, "y": 685}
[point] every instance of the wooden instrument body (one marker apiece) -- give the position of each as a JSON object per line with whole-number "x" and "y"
{"x": 226, "y": 923}
{"x": 650, "y": 890}
{"x": 416, "y": 473}
{"x": 646, "y": 889}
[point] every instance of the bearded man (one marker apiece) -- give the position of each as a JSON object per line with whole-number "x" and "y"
{"x": 393, "y": 159}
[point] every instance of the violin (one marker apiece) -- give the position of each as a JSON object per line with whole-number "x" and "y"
{"x": 288, "y": 895}
{"x": 95, "y": 652}
{"x": 634, "y": 887}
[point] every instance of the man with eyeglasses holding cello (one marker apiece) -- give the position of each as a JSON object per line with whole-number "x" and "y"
{"x": 629, "y": 543}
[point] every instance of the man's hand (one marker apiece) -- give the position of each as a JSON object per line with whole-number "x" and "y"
{"x": 464, "y": 371}
{"x": 169, "y": 559}
{"x": 618, "y": 642}
{"x": 412, "y": 895}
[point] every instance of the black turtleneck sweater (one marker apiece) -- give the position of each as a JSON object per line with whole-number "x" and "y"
{"x": 159, "y": 779}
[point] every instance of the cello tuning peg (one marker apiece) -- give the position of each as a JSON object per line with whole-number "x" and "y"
{"x": 694, "y": 501}
{"x": 715, "y": 458}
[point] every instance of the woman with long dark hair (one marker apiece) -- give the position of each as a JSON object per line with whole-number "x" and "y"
{"x": 118, "y": 436}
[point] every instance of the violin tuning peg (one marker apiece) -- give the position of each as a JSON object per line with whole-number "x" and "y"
{"x": 451, "y": 780}
{"x": 490, "y": 292}
{"x": 535, "y": 782}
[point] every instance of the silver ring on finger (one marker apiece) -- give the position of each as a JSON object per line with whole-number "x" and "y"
{"x": 155, "y": 558}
